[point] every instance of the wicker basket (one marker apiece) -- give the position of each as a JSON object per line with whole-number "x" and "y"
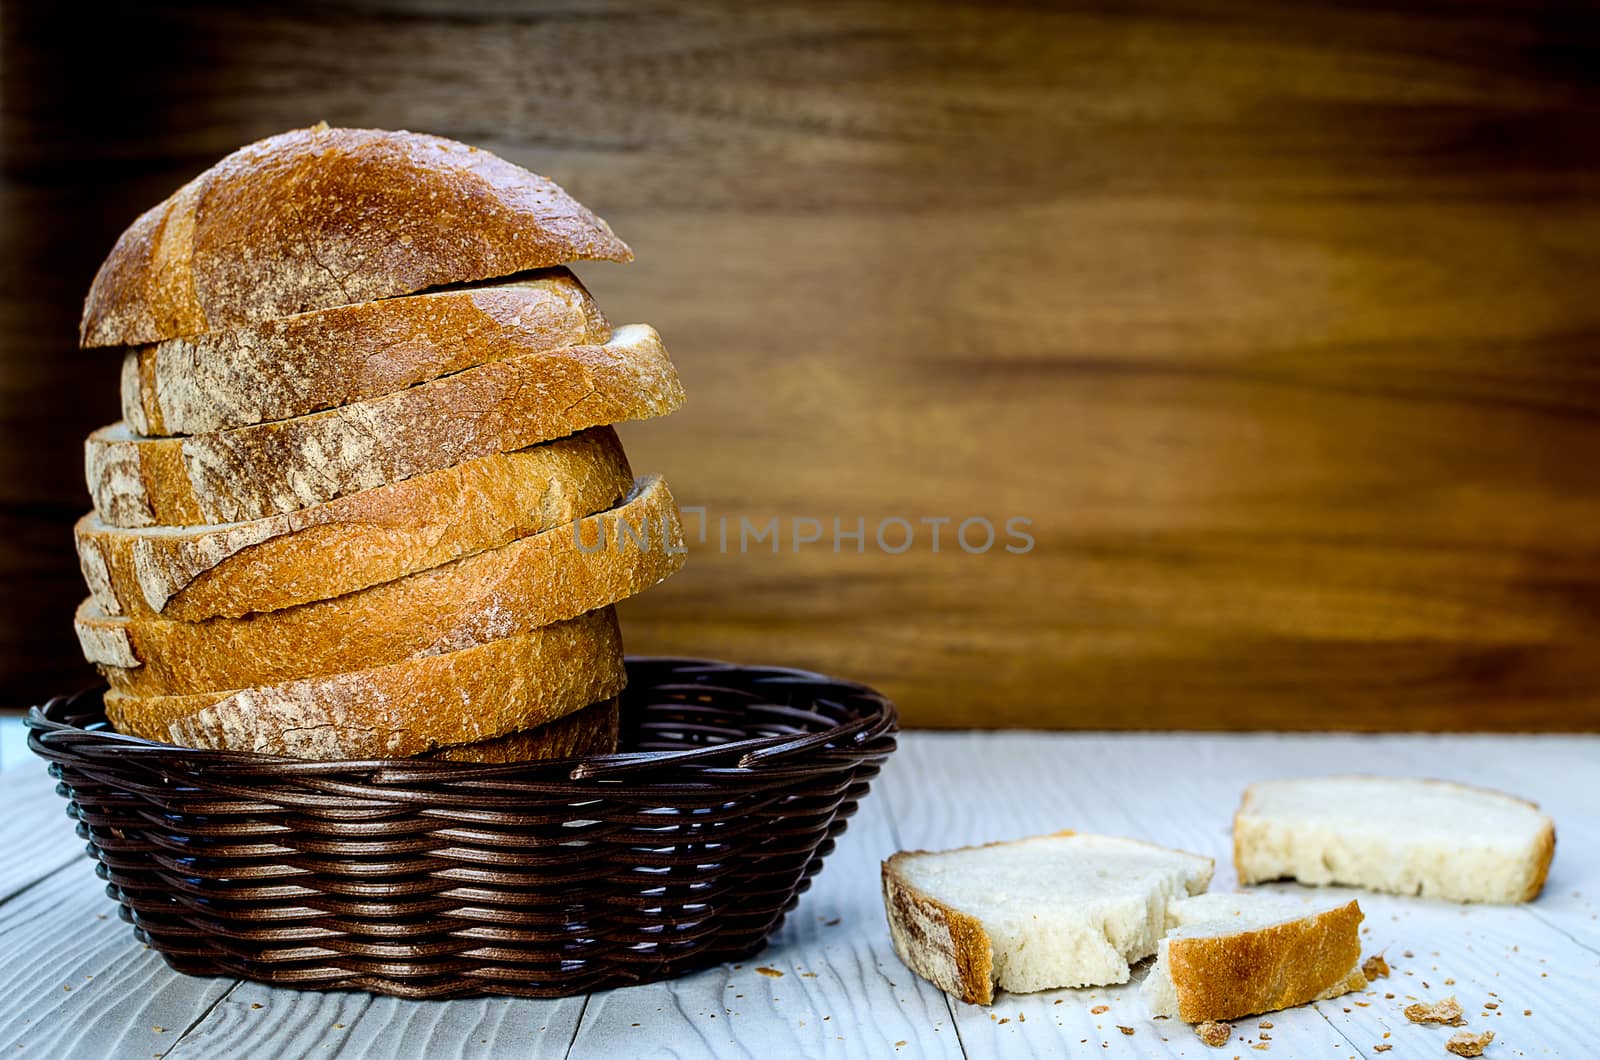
{"x": 428, "y": 879}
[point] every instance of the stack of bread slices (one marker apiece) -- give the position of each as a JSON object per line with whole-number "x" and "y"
{"x": 365, "y": 500}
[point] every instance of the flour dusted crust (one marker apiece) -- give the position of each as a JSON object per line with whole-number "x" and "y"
{"x": 355, "y": 541}
{"x": 1263, "y": 969}
{"x": 322, "y": 217}
{"x": 531, "y": 582}
{"x": 402, "y": 709}
{"x": 282, "y": 466}
{"x": 279, "y": 369}
{"x": 590, "y": 731}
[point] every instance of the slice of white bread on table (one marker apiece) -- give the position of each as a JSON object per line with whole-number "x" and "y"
{"x": 253, "y": 472}
{"x": 402, "y": 709}
{"x": 1231, "y": 955}
{"x": 1429, "y": 838}
{"x": 279, "y": 369}
{"x": 361, "y": 539}
{"x": 1062, "y": 910}
{"x": 590, "y": 731}
{"x": 531, "y": 582}
{"x": 323, "y": 217}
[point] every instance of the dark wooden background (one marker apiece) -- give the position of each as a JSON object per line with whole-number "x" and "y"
{"x": 1282, "y": 323}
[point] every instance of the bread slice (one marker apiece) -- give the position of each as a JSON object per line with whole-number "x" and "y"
{"x": 361, "y": 539}
{"x": 1052, "y": 911}
{"x": 298, "y": 365}
{"x": 322, "y": 217}
{"x": 402, "y": 709}
{"x": 590, "y": 731}
{"x": 282, "y": 466}
{"x": 1231, "y": 955}
{"x": 531, "y": 582}
{"x": 1414, "y": 837}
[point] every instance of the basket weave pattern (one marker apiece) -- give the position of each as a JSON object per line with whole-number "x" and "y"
{"x": 429, "y": 879}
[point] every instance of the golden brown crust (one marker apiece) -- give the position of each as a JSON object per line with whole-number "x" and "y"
{"x": 531, "y": 582}
{"x": 253, "y": 472}
{"x": 279, "y": 369}
{"x": 321, "y": 217}
{"x": 942, "y": 944}
{"x": 402, "y": 709}
{"x": 1544, "y": 853}
{"x": 590, "y": 731}
{"x": 1223, "y": 977}
{"x": 355, "y": 541}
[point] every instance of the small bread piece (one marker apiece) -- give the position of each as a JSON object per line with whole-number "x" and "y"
{"x": 1232, "y": 955}
{"x": 399, "y": 710}
{"x": 1469, "y": 1043}
{"x": 531, "y": 582}
{"x": 253, "y": 472}
{"x": 1445, "y": 1011}
{"x": 590, "y": 731}
{"x": 1430, "y": 838}
{"x": 298, "y": 365}
{"x": 194, "y": 573}
{"x": 1033, "y": 914}
{"x": 322, "y": 217}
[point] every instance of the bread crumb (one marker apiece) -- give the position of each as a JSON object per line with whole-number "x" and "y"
{"x": 1491, "y": 1004}
{"x": 1446, "y": 1011}
{"x": 1375, "y": 967}
{"x": 770, "y": 973}
{"x": 1527, "y": 1012}
{"x": 1265, "y": 1025}
{"x": 1099, "y": 1009}
{"x": 1466, "y": 1043}
{"x": 1125, "y": 1030}
{"x": 1214, "y": 1033}
{"x": 1382, "y": 1047}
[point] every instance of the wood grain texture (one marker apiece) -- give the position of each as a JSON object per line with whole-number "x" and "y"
{"x": 843, "y": 993}
{"x": 1279, "y": 326}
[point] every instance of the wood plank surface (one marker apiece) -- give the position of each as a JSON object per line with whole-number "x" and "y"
{"x": 1277, "y": 324}
{"x": 842, "y": 992}
{"x": 36, "y": 835}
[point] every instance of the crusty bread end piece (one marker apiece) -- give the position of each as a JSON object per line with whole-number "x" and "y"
{"x": 1430, "y": 838}
{"x": 1232, "y": 955}
{"x": 531, "y": 582}
{"x": 1060, "y": 910}
{"x": 322, "y": 217}
{"x": 352, "y": 542}
{"x": 402, "y": 709}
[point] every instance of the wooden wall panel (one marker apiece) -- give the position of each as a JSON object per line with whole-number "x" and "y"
{"x": 1279, "y": 323}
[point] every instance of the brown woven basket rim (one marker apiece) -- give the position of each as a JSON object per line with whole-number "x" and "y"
{"x": 757, "y": 755}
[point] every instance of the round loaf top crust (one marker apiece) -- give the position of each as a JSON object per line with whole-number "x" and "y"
{"x": 321, "y": 217}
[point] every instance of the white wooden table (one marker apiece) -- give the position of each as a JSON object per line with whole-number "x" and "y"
{"x": 74, "y": 983}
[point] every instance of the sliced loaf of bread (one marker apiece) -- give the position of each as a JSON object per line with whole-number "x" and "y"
{"x": 531, "y": 582}
{"x": 253, "y": 472}
{"x": 361, "y": 539}
{"x": 298, "y": 365}
{"x": 590, "y": 731}
{"x": 322, "y": 217}
{"x": 1430, "y": 838}
{"x": 401, "y": 709}
{"x": 1231, "y": 955}
{"x": 1062, "y": 910}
